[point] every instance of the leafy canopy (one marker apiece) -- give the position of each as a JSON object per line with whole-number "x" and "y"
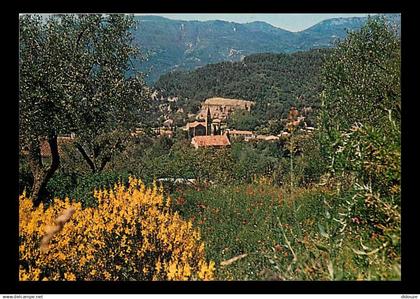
{"x": 72, "y": 75}
{"x": 362, "y": 77}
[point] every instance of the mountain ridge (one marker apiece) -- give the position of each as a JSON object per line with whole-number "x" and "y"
{"x": 185, "y": 45}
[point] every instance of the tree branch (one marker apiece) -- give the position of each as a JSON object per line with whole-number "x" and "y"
{"x": 106, "y": 159}
{"x": 85, "y": 156}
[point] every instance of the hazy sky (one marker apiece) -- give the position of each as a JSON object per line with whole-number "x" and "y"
{"x": 291, "y": 22}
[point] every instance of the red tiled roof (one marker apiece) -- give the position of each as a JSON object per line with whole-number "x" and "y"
{"x": 216, "y": 140}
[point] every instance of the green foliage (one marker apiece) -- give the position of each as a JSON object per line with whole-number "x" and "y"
{"x": 308, "y": 163}
{"x": 362, "y": 78}
{"x": 233, "y": 220}
{"x": 360, "y": 119}
{"x": 175, "y": 158}
{"x": 274, "y": 81}
{"x": 251, "y": 160}
{"x": 360, "y": 138}
{"x": 284, "y": 237}
{"x": 25, "y": 176}
{"x": 69, "y": 68}
{"x": 72, "y": 78}
{"x": 243, "y": 120}
{"x": 314, "y": 165}
{"x": 81, "y": 187}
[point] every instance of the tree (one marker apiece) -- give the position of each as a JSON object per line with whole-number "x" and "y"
{"x": 361, "y": 81}
{"x": 72, "y": 78}
{"x": 360, "y": 131}
{"x": 361, "y": 85}
{"x": 361, "y": 78}
{"x": 243, "y": 120}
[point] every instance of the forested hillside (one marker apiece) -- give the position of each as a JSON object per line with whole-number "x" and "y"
{"x": 275, "y": 81}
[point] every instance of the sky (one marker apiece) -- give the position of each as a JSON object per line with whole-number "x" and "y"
{"x": 291, "y": 22}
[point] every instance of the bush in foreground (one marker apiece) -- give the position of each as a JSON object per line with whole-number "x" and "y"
{"x": 131, "y": 235}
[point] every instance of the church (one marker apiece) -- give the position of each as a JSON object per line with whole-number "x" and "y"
{"x": 211, "y": 119}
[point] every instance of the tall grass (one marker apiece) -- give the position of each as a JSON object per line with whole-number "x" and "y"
{"x": 278, "y": 236}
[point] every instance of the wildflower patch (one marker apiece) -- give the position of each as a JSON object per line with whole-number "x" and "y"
{"x": 132, "y": 234}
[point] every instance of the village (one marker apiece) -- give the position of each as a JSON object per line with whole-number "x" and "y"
{"x": 210, "y": 126}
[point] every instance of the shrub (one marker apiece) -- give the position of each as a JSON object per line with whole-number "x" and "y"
{"x": 82, "y": 187}
{"x": 371, "y": 157}
{"x": 132, "y": 234}
{"x": 25, "y": 175}
{"x": 360, "y": 136}
{"x": 61, "y": 185}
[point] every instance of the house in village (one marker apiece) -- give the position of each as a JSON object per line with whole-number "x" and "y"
{"x": 215, "y": 141}
{"x": 240, "y": 134}
{"x": 267, "y": 137}
{"x": 211, "y": 122}
{"x": 196, "y": 129}
{"x": 214, "y": 113}
{"x": 204, "y": 126}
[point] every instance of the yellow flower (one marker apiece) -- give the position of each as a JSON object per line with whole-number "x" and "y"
{"x": 107, "y": 275}
{"x": 187, "y": 270}
{"x": 158, "y": 266}
{"x": 95, "y": 236}
{"x": 69, "y": 276}
{"x": 172, "y": 271}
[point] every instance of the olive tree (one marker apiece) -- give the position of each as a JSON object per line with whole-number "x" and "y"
{"x": 361, "y": 77}
{"x": 73, "y": 79}
{"x": 361, "y": 85}
{"x": 360, "y": 132}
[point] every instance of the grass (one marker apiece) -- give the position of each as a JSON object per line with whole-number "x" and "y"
{"x": 276, "y": 235}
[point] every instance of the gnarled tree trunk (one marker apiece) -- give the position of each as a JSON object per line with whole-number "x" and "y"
{"x": 42, "y": 173}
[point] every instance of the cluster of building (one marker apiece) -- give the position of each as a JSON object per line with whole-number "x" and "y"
{"x": 210, "y": 127}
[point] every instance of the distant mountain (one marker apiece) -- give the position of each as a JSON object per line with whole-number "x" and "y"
{"x": 184, "y": 45}
{"x": 326, "y": 32}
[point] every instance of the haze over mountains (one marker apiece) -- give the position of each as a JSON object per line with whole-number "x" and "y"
{"x": 185, "y": 45}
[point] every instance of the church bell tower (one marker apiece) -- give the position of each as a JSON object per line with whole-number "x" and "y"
{"x": 208, "y": 122}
